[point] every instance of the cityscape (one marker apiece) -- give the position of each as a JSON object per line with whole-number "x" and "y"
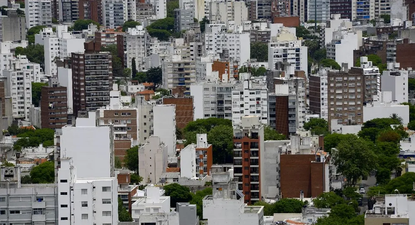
{"x": 207, "y": 112}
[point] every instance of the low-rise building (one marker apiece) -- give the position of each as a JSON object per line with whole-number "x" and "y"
{"x": 393, "y": 209}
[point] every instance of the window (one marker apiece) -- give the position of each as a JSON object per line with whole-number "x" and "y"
{"x": 84, "y": 204}
{"x": 106, "y": 213}
{"x": 84, "y": 216}
{"x": 2, "y": 199}
{"x": 64, "y": 206}
{"x": 84, "y": 191}
{"x": 14, "y": 211}
{"x": 64, "y": 193}
{"x": 2, "y": 212}
{"x": 64, "y": 218}
{"x": 106, "y": 189}
{"x": 106, "y": 201}
{"x": 64, "y": 181}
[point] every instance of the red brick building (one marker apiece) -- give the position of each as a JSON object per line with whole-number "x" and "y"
{"x": 54, "y": 107}
{"x": 184, "y": 109}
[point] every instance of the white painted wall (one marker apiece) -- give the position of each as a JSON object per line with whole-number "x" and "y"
{"x": 165, "y": 126}
{"x": 152, "y": 160}
{"x": 188, "y": 161}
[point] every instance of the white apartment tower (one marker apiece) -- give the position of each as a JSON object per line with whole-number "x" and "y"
{"x": 227, "y": 11}
{"x": 188, "y": 161}
{"x": 152, "y": 157}
{"x": 344, "y": 42}
{"x": 231, "y": 45}
{"x": 135, "y": 47}
{"x": 113, "y": 13}
{"x": 86, "y": 201}
{"x": 165, "y": 126}
{"x": 250, "y": 99}
{"x": 395, "y": 81}
{"x": 160, "y": 8}
{"x": 130, "y": 10}
{"x": 38, "y": 12}
{"x": 318, "y": 10}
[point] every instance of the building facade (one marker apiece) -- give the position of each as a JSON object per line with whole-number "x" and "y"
{"x": 165, "y": 126}
{"x": 152, "y": 160}
{"x": 13, "y": 26}
{"x": 38, "y": 12}
{"x": 54, "y": 107}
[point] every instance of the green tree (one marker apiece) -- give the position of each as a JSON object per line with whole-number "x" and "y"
{"x": 411, "y": 125}
{"x": 389, "y": 136}
{"x": 287, "y": 205}
{"x": 14, "y": 129}
{"x": 269, "y": 209}
{"x": 140, "y": 77}
{"x": 162, "y": 28}
{"x": 171, "y": 6}
{"x": 43, "y": 173}
{"x": 117, "y": 67}
{"x": 221, "y": 138}
{"x": 271, "y": 134}
{"x": 354, "y": 159}
{"x": 32, "y": 32}
{"x": 134, "y": 68}
{"x": 386, "y": 18}
{"x": 117, "y": 163}
{"x": 81, "y": 24}
{"x": 330, "y": 63}
{"x": 259, "y": 51}
{"x": 411, "y": 84}
{"x": 154, "y": 75}
{"x": 332, "y": 140}
{"x": 197, "y": 199}
{"x": 328, "y": 200}
{"x": 207, "y": 124}
{"x": 342, "y": 211}
{"x": 372, "y": 128}
{"x": 376, "y": 61}
{"x": 130, "y": 24}
{"x": 131, "y": 159}
{"x": 404, "y": 184}
{"x": 34, "y": 53}
{"x": 177, "y": 194}
{"x": 26, "y": 179}
{"x": 123, "y": 214}
{"x": 135, "y": 178}
{"x": 203, "y": 24}
{"x": 317, "y": 126}
{"x": 36, "y": 92}
{"x": 5, "y": 163}
{"x": 33, "y": 138}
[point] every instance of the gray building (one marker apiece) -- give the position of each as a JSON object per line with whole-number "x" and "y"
{"x": 13, "y": 26}
{"x": 26, "y": 203}
{"x": 187, "y": 214}
{"x": 183, "y": 19}
{"x": 69, "y": 11}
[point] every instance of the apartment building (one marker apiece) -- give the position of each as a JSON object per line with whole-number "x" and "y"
{"x": 179, "y": 70}
{"x": 248, "y": 147}
{"x": 90, "y": 9}
{"x": 204, "y": 157}
{"x": 113, "y": 13}
{"x": 126, "y": 191}
{"x": 318, "y": 10}
{"x": 212, "y": 99}
{"x": 343, "y": 8}
{"x": 184, "y": 109}
{"x": 229, "y": 44}
{"x": 350, "y": 90}
{"x": 38, "y": 12}
{"x": 133, "y": 46}
{"x": 225, "y": 12}
{"x": 85, "y": 200}
{"x": 92, "y": 80}
{"x": 54, "y": 107}
{"x": 286, "y": 48}
{"x": 226, "y": 205}
{"x": 107, "y": 37}
{"x": 391, "y": 209}
{"x": 152, "y": 158}
{"x": 145, "y": 120}
{"x": 249, "y": 99}
{"x": 365, "y": 10}
{"x": 318, "y": 93}
{"x": 124, "y": 120}
{"x": 12, "y": 26}
{"x": 335, "y": 23}
{"x": 183, "y": 19}
{"x": 159, "y": 8}
{"x": 69, "y": 11}
{"x": 165, "y": 126}
{"x": 26, "y": 203}
{"x": 130, "y": 10}
{"x": 344, "y": 42}
{"x": 144, "y": 10}
{"x": 395, "y": 81}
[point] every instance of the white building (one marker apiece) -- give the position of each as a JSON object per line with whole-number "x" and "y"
{"x": 152, "y": 202}
{"x": 19, "y": 84}
{"x": 38, "y": 12}
{"x": 318, "y": 10}
{"x": 286, "y": 48}
{"x": 395, "y": 81}
{"x": 385, "y": 108}
{"x": 226, "y": 205}
{"x": 130, "y": 10}
{"x": 113, "y": 13}
{"x": 334, "y": 24}
{"x": 343, "y": 43}
{"x": 86, "y": 200}
{"x": 233, "y": 45}
{"x": 212, "y": 99}
{"x": 250, "y": 99}
{"x": 152, "y": 160}
{"x": 160, "y": 8}
{"x": 145, "y": 119}
{"x": 165, "y": 126}
{"x": 395, "y": 208}
{"x": 92, "y": 142}
{"x": 65, "y": 80}
{"x": 224, "y": 12}
{"x": 188, "y": 161}
{"x": 135, "y": 47}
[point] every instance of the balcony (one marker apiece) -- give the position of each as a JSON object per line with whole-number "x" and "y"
{"x": 38, "y": 218}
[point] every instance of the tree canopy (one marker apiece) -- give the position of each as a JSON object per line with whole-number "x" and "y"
{"x": 376, "y": 61}
{"x": 330, "y": 63}
{"x": 32, "y": 32}
{"x": 285, "y": 205}
{"x": 117, "y": 67}
{"x": 197, "y": 199}
{"x": 162, "y": 28}
{"x": 317, "y": 126}
{"x": 271, "y": 134}
{"x": 123, "y": 214}
{"x": 259, "y": 51}
{"x": 43, "y": 173}
{"x": 129, "y": 24}
{"x": 83, "y": 24}
{"x": 155, "y": 75}
{"x": 131, "y": 159}
{"x": 34, "y": 53}
{"x": 354, "y": 159}
{"x": 177, "y": 194}
{"x": 33, "y": 138}
{"x": 36, "y": 92}
{"x": 171, "y": 6}
{"x": 332, "y": 140}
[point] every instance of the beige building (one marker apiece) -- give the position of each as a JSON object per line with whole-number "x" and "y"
{"x": 152, "y": 157}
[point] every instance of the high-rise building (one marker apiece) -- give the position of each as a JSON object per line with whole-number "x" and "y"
{"x": 225, "y": 12}
{"x": 113, "y": 13}
{"x": 145, "y": 119}
{"x": 92, "y": 80}
{"x": 69, "y": 11}
{"x": 38, "y": 12}
{"x": 248, "y": 147}
{"x": 152, "y": 160}
{"x": 160, "y": 8}
{"x": 133, "y": 46}
{"x": 90, "y": 9}
{"x": 349, "y": 90}
{"x": 395, "y": 81}
{"x": 54, "y": 107}
{"x": 165, "y": 126}
{"x": 318, "y": 10}
{"x": 365, "y": 10}
{"x": 343, "y": 43}
{"x": 13, "y": 26}
{"x": 318, "y": 94}
{"x": 342, "y": 7}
